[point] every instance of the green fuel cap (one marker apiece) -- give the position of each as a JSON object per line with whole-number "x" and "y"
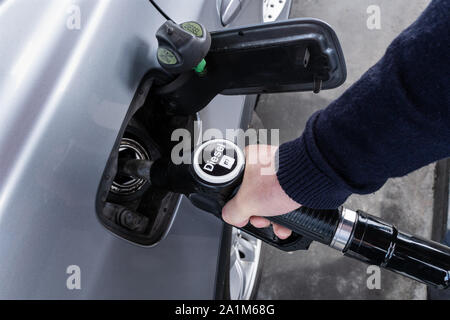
{"x": 183, "y": 47}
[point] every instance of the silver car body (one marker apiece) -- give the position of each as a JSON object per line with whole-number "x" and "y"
{"x": 65, "y": 87}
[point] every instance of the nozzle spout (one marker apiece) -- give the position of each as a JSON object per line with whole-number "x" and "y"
{"x": 135, "y": 168}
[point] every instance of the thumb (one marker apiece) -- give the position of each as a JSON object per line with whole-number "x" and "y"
{"x": 235, "y": 214}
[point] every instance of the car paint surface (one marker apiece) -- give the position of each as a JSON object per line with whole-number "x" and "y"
{"x": 64, "y": 93}
{"x": 68, "y": 72}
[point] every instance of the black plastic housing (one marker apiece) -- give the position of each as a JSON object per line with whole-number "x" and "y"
{"x": 292, "y": 55}
{"x": 379, "y": 243}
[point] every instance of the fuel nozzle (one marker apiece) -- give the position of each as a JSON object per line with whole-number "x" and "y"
{"x": 135, "y": 168}
{"x": 214, "y": 176}
{"x": 215, "y": 172}
{"x": 183, "y": 47}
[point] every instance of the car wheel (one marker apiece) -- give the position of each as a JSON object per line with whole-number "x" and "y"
{"x": 245, "y": 265}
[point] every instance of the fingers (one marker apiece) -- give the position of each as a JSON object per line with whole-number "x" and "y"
{"x": 280, "y": 231}
{"x": 235, "y": 215}
{"x": 259, "y": 222}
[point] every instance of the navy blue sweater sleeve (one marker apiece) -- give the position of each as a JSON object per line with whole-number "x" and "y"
{"x": 392, "y": 121}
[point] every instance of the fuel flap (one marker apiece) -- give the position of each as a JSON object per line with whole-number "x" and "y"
{"x": 195, "y": 66}
{"x": 286, "y": 56}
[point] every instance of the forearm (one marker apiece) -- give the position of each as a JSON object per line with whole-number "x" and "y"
{"x": 394, "y": 120}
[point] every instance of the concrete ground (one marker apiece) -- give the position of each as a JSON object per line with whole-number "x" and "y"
{"x": 321, "y": 272}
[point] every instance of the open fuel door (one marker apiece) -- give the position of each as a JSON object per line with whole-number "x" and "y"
{"x": 292, "y": 55}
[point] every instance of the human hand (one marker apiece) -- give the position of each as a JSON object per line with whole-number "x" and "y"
{"x": 260, "y": 194}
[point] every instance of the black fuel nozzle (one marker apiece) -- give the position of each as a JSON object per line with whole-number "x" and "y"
{"x": 213, "y": 177}
{"x": 215, "y": 174}
{"x": 135, "y": 168}
{"x": 209, "y": 180}
{"x": 182, "y": 47}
